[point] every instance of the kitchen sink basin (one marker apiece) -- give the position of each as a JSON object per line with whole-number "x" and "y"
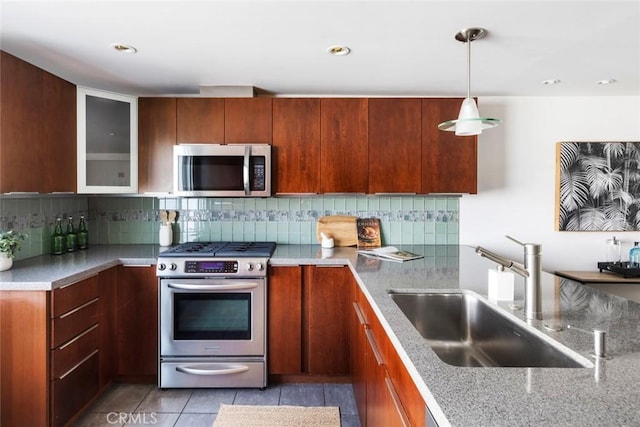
{"x": 464, "y": 330}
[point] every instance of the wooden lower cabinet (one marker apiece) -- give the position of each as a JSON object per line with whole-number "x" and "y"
{"x": 384, "y": 392}
{"x": 63, "y": 347}
{"x": 308, "y": 322}
{"x": 137, "y": 324}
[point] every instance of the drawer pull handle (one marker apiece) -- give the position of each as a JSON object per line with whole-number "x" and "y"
{"x": 68, "y": 343}
{"x": 374, "y": 347}
{"x": 75, "y": 310}
{"x": 61, "y": 377}
{"x": 358, "y": 311}
{"x": 397, "y": 402}
{"x": 77, "y": 281}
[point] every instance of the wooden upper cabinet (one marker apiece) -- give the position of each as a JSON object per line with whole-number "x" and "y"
{"x": 296, "y": 145}
{"x": 37, "y": 129}
{"x": 156, "y": 138}
{"x": 394, "y": 145}
{"x": 200, "y": 120}
{"x": 247, "y": 120}
{"x": 344, "y": 153}
{"x": 449, "y": 162}
{"x": 21, "y": 160}
{"x": 59, "y": 136}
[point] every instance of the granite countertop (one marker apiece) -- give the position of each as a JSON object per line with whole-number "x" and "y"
{"x": 607, "y": 394}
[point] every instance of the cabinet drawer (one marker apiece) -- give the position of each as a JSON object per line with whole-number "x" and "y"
{"x": 74, "y": 389}
{"x": 69, "y": 354}
{"x": 69, "y": 297}
{"x": 72, "y": 323}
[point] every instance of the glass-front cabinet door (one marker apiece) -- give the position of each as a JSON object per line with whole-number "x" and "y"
{"x": 107, "y": 142}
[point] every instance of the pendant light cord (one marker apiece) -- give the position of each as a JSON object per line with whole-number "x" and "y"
{"x": 468, "y": 67}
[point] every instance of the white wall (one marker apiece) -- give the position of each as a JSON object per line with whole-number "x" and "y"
{"x": 516, "y": 175}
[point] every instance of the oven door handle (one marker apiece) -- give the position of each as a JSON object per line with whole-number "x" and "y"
{"x": 226, "y": 287}
{"x": 227, "y": 371}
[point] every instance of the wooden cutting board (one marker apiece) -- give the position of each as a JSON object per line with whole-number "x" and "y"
{"x": 342, "y": 228}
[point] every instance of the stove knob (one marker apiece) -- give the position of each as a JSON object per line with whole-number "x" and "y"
{"x": 161, "y": 267}
{"x": 173, "y": 267}
{"x": 249, "y": 267}
{"x": 259, "y": 266}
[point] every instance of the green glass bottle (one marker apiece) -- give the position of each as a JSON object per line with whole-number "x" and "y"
{"x": 83, "y": 234}
{"x": 58, "y": 240}
{"x": 72, "y": 237}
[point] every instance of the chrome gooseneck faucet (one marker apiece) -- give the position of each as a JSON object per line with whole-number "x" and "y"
{"x": 531, "y": 270}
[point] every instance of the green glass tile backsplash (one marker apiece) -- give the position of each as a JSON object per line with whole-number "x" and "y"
{"x": 122, "y": 220}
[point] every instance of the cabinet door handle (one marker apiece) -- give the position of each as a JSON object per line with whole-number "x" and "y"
{"x": 75, "y": 310}
{"x": 397, "y": 402}
{"x": 374, "y": 347}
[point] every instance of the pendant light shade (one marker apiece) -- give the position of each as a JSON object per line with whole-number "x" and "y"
{"x": 469, "y": 121}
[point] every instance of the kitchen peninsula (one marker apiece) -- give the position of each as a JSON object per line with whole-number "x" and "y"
{"x": 606, "y": 394}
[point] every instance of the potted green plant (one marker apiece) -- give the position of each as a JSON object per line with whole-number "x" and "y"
{"x": 10, "y": 242}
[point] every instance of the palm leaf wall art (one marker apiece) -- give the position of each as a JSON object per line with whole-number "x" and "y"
{"x": 598, "y": 186}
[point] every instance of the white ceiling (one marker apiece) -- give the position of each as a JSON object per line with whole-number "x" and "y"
{"x": 402, "y": 48}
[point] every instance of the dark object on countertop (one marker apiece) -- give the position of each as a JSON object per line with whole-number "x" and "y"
{"x": 620, "y": 268}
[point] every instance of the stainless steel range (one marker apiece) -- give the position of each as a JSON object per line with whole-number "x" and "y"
{"x": 213, "y": 314}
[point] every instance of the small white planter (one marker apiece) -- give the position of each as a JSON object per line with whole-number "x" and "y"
{"x": 5, "y": 261}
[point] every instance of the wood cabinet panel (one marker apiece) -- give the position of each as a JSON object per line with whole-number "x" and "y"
{"x": 72, "y": 296}
{"x": 200, "y": 120}
{"x": 247, "y": 120}
{"x": 358, "y": 355}
{"x": 296, "y": 145}
{"x": 344, "y": 149}
{"x": 108, "y": 286}
{"x": 72, "y": 323}
{"x": 395, "y": 145}
{"x": 72, "y": 392}
{"x": 326, "y": 305}
{"x": 157, "y": 134}
{"x": 285, "y": 320}
{"x": 449, "y": 162}
{"x": 59, "y": 135}
{"x": 21, "y": 162}
{"x": 137, "y": 321}
{"x": 68, "y": 355}
{"x": 24, "y": 383}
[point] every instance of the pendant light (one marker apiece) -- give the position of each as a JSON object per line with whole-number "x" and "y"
{"x": 469, "y": 121}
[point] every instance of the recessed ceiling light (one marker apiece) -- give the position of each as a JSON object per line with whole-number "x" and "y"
{"x": 121, "y": 47}
{"x": 606, "y": 81}
{"x": 338, "y": 50}
{"x": 551, "y": 82}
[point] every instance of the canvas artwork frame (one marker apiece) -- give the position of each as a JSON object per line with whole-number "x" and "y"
{"x": 598, "y": 186}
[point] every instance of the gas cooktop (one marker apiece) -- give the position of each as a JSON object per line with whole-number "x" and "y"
{"x": 221, "y": 249}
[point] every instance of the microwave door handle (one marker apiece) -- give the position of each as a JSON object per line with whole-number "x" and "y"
{"x": 227, "y": 287}
{"x": 245, "y": 169}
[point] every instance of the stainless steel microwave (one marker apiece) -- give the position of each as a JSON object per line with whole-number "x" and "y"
{"x": 214, "y": 170}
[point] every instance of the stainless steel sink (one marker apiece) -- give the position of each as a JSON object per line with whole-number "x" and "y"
{"x": 464, "y": 330}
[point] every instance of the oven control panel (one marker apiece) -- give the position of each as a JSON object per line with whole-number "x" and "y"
{"x": 211, "y": 267}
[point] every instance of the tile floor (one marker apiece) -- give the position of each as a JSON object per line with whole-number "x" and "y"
{"x": 141, "y": 404}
